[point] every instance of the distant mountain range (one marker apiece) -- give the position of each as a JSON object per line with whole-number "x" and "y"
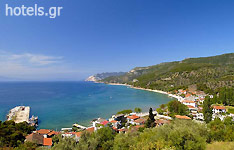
{"x": 101, "y": 76}
{"x": 207, "y": 73}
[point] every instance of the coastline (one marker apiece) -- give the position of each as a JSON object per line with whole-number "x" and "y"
{"x": 179, "y": 98}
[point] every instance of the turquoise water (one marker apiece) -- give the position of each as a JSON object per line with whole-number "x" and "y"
{"x": 60, "y": 104}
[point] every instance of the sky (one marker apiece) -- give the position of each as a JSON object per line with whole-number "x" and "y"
{"x": 94, "y": 36}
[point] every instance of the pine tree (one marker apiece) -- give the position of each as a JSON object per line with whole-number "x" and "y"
{"x": 207, "y": 110}
{"x": 150, "y": 121}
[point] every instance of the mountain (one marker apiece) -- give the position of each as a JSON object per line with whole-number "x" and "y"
{"x": 101, "y": 76}
{"x": 207, "y": 73}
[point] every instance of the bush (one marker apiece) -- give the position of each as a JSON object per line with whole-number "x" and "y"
{"x": 127, "y": 111}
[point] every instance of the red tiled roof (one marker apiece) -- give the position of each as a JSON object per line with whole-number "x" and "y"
{"x": 114, "y": 128}
{"x": 162, "y": 121}
{"x": 43, "y": 131}
{"x": 187, "y": 95}
{"x": 104, "y": 122}
{"x": 140, "y": 120}
{"x": 53, "y": 133}
{"x": 47, "y": 142}
{"x": 90, "y": 129}
{"x": 188, "y": 101}
{"x": 189, "y": 106}
{"x": 113, "y": 121}
{"x": 133, "y": 117}
{"x": 219, "y": 107}
{"x": 78, "y": 134}
{"x": 182, "y": 117}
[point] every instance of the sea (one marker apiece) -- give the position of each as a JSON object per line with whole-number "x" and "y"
{"x": 61, "y": 104}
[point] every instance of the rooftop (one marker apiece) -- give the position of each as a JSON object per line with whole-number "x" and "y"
{"x": 43, "y": 131}
{"x": 133, "y": 117}
{"x": 47, "y": 142}
{"x": 219, "y": 107}
{"x": 182, "y": 117}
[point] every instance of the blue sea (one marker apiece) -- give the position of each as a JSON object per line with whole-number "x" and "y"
{"x": 60, "y": 104}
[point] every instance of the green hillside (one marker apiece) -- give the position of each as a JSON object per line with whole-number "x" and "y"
{"x": 208, "y": 73}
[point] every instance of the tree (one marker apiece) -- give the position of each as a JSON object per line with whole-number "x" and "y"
{"x": 178, "y": 135}
{"x": 127, "y": 111}
{"x": 137, "y": 110}
{"x": 150, "y": 121}
{"x": 102, "y": 139}
{"x": 207, "y": 110}
{"x": 177, "y": 108}
{"x": 13, "y": 134}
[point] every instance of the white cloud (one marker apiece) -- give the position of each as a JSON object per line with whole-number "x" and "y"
{"x": 35, "y": 58}
{"x": 30, "y": 66}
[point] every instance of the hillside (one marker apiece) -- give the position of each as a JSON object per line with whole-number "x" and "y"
{"x": 101, "y": 76}
{"x": 208, "y": 73}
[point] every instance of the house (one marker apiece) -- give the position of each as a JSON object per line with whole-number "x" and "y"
{"x": 52, "y": 133}
{"x": 192, "y": 108}
{"x": 182, "y": 117}
{"x": 161, "y": 122}
{"x": 199, "y": 116}
{"x": 99, "y": 121}
{"x": 44, "y": 132}
{"x": 219, "y": 109}
{"x": 104, "y": 122}
{"x": 115, "y": 123}
{"x": 131, "y": 119}
{"x": 181, "y": 91}
{"x": 189, "y": 102}
{"x": 35, "y": 138}
{"x": 188, "y": 95}
{"x": 135, "y": 128}
{"x": 140, "y": 121}
{"x": 90, "y": 129}
{"x": 47, "y": 142}
{"x": 77, "y": 136}
{"x": 68, "y": 134}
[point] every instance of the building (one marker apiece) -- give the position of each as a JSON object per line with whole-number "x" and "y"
{"x": 219, "y": 109}
{"x": 131, "y": 119}
{"x": 161, "y": 122}
{"x": 44, "y": 132}
{"x": 140, "y": 121}
{"x": 35, "y": 138}
{"x": 182, "y": 117}
{"x": 47, "y": 142}
{"x": 189, "y": 102}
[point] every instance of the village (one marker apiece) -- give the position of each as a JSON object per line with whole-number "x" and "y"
{"x": 129, "y": 122}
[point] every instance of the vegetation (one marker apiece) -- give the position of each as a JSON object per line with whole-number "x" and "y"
{"x": 220, "y": 146}
{"x": 207, "y": 110}
{"x": 127, "y": 111}
{"x": 225, "y": 96}
{"x": 221, "y": 130}
{"x": 180, "y": 134}
{"x": 13, "y": 134}
{"x": 177, "y": 108}
{"x": 208, "y": 73}
{"x": 150, "y": 123}
{"x": 137, "y": 110}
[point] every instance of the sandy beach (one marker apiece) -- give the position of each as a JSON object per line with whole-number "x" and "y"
{"x": 179, "y": 98}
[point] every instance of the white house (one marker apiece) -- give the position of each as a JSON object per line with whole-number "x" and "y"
{"x": 188, "y": 102}
{"x": 131, "y": 119}
{"x": 219, "y": 109}
{"x": 199, "y": 116}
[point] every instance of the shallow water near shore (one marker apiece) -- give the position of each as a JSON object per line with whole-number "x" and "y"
{"x": 60, "y": 104}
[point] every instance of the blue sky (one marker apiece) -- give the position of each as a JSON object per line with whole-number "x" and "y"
{"x": 95, "y": 36}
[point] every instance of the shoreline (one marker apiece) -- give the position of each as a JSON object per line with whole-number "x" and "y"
{"x": 179, "y": 98}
